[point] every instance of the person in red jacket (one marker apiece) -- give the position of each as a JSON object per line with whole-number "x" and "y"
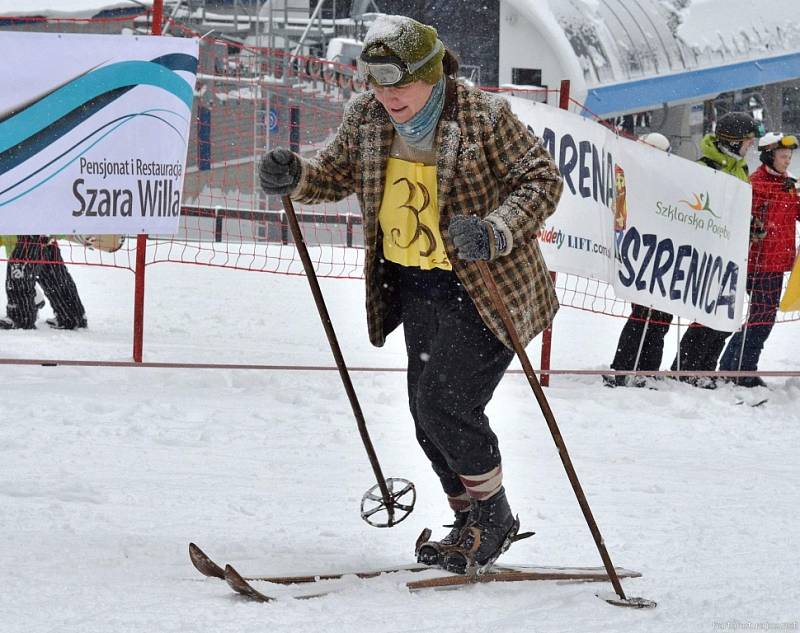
{"x": 776, "y": 208}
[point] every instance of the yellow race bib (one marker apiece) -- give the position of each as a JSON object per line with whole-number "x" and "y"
{"x": 409, "y": 216}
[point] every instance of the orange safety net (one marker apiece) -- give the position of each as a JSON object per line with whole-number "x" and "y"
{"x": 249, "y": 99}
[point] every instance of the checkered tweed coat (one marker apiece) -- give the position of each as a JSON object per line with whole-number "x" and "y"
{"x": 488, "y": 164}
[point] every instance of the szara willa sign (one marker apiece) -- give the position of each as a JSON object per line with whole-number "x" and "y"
{"x": 93, "y": 137}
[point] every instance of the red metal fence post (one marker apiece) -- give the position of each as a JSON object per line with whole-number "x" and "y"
{"x": 563, "y": 95}
{"x": 158, "y": 17}
{"x": 138, "y": 299}
{"x": 141, "y": 240}
{"x": 547, "y": 335}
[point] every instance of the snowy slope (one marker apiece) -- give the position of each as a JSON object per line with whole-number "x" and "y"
{"x": 108, "y": 473}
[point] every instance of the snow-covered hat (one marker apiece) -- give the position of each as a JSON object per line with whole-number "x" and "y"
{"x": 397, "y": 38}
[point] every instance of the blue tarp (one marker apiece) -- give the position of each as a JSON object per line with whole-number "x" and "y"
{"x": 691, "y": 86}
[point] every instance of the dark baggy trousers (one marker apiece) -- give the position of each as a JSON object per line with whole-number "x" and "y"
{"x": 645, "y": 329}
{"x": 454, "y": 365}
{"x": 35, "y": 259}
{"x": 747, "y": 343}
{"x": 700, "y": 348}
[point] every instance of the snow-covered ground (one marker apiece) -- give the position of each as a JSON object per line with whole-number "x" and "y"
{"x": 108, "y": 473}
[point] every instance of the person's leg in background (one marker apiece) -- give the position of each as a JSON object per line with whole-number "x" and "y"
{"x": 699, "y": 350}
{"x": 745, "y": 347}
{"x": 60, "y": 290}
{"x": 641, "y": 344}
{"x": 21, "y": 275}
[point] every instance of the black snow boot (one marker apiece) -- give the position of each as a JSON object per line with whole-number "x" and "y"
{"x": 432, "y": 552}
{"x": 7, "y": 323}
{"x": 613, "y": 381}
{"x": 489, "y": 533}
{"x": 749, "y": 381}
{"x": 67, "y": 324}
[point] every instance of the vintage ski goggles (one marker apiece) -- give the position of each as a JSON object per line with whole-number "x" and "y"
{"x": 389, "y": 71}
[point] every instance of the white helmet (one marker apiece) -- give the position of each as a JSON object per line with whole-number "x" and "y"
{"x": 777, "y": 140}
{"x": 657, "y": 140}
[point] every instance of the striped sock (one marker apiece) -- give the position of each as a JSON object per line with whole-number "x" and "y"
{"x": 483, "y": 486}
{"x": 459, "y": 503}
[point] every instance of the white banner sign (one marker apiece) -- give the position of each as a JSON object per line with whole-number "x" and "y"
{"x": 683, "y": 248}
{"x": 579, "y": 237}
{"x": 93, "y": 136}
{"x": 665, "y": 232}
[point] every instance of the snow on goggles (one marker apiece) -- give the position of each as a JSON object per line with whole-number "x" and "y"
{"x": 389, "y": 71}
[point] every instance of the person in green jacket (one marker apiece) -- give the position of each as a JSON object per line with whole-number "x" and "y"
{"x": 724, "y": 150}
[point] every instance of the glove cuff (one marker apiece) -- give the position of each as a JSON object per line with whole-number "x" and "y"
{"x": 499, "y": 240}
{"x": 302, "y": 179}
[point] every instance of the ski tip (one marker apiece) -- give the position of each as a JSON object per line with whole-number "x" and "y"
{"x": 521, "y": 535}
{"x": 424, "y": 537}
{"x": 756, "y": 403}
{"x": 241, "y": 586}
{"x": 204, "y": 564}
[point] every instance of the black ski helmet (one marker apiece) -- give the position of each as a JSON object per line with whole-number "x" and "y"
{"x": 733, "y": 128}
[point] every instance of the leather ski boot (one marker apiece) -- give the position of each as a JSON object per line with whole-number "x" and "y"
{"x": 491, "y": 530}
{"x": 432, "y": 552}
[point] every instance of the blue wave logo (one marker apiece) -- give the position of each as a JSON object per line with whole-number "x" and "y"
{"x": 42, "y": 122}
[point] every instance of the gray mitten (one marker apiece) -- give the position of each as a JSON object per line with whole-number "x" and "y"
{"x": 471, "y": 237}
{"x": 279, "y": 172}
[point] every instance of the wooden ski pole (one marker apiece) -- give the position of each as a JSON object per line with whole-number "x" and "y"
{"x": 500, "y": 306}
{"x": 389, "y": 500}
